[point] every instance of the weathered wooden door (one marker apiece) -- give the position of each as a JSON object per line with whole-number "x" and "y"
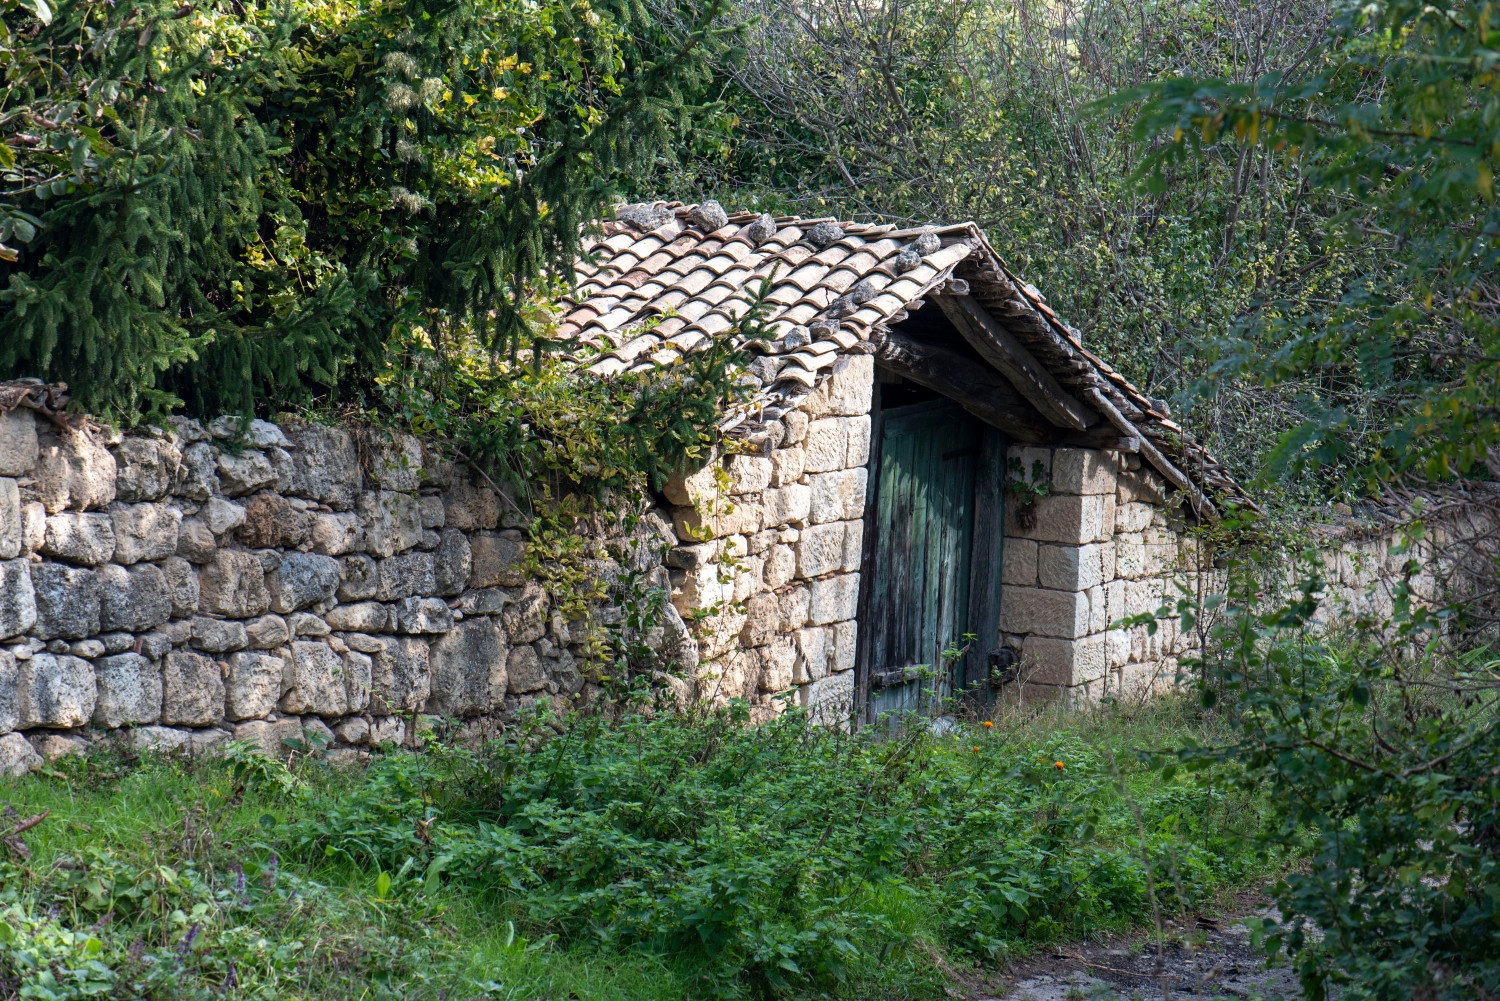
{"x": 926, "y": 511}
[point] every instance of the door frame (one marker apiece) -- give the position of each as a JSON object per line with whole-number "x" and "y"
{"x": 984, "y": 563}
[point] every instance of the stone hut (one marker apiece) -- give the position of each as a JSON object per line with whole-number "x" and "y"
{"x": 932, "y": 488}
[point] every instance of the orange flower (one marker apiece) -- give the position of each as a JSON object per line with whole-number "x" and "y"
{"x": 989, "y": 724}
{"x": 976, "y": 750}
{"x": 1057, "y": 764}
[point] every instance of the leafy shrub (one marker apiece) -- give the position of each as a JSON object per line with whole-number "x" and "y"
{"x": 1374, "y": 737}
{"x": 784, "y": 854}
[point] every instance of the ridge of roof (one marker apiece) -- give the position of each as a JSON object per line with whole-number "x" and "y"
{"x": 663, "y": 278}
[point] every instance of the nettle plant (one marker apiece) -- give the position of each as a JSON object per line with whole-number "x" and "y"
{"x": 1026, "y": 490}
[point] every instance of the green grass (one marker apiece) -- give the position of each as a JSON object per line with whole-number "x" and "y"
{"x": 636, "y": 859}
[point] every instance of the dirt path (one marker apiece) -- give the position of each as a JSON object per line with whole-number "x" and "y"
{"x": 1206, "y": 958}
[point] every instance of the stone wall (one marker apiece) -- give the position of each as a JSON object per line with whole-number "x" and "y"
{"x": 1104, "y": 542}
{"x": 271, "y": 582}
{"x": 769, "y": 559}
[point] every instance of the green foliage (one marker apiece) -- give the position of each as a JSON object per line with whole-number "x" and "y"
{"x": 1399, "y": 120}
{"x": 1377, "y": 742}
{"x": 934, "y": 111}
{"x": 787, "y": 855}
{"x": 230, "y": 205}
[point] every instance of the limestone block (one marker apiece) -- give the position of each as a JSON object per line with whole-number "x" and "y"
{"x": 859, "y": 442}
{"x": 796, "y": 603}
{"x": 144, "y": 531}
{"x": 244, "y": 473}
{"x": 692, "y": 557}
{"x": 468, "y": 669}
{"x": 1025, "y": 610}
{"x": 1075, "y": 568}
{"x": 453, "y": 562}
{"x": 1133, "y": 516}
{"x": 358, "y": 670}
{"x": 423, "y": 615}
{"x": 795, "y": 428}
{"x": 272, "y": 522}
{"x": 218, "y": 635}
{"x": 854, "y": 538}
{"x": 762, "y": 619}
{"x": 10, "y": 716}
{"x": 192, "y": 690}
{"x": 1070, "y": 518}
{"x": 33, "y": 526}
{"x": 778, "y": 660}
{"x": 314, "y": 680}
{"x": 827, "y": 446}
{"x": 393, "y": 460}
{"x": 362, "y": 617}
{"x": 495, "y": 560}
{"x": 748, "y": 474}
{"x": 845, "y": 645}
{"x": 833, "y": 599}
{"x": 562, "y": 669}
{"x": 129, "y": 690}
{"x": 254, "y": 684}
{"x": 392, "y": 521}
{"x": 354, "y": 730}
{"x": 11, "y": 522}
{"x": 266, "y": 632}
{"x": 233, "y": 585}
{"x": 737, "y": 516}
{"x": 307, "y": 624}
{"x": 524, "y": 671}
{"x": 207, "y": 741}
{"x": 470, "y": 507}
{"x": 133, "y": 600}
{"x": 334, "y": 533}
{"x": 89, "y": 649}
{"x": 404, "y": 576}
{"x": 83, "y": 539}
{"x": 55, "y": 690}
{"x": 222, "y": 516}
{"x": 1018, "y": 562}
{"x": 838, "y": 495}
{"x": 780, "y": 566}
{"x": 16, "y": 754}
{"x": 814, "y": 650}
{"x": 198, "y": 475}
{"x": 325, "y": 466}
{"x": 182, "y": 586}
{"x": 400, "y": 676}
{"x": 786, "y": 466}
{"x": 525, "y": 617}
{"x": 195, "y": 542}
{"x": 273, "y": 736}
{"x": 820, "y": 549}
{"x": 19, "y": 600}
{"x": 72, "y": 470}
{"x": 301, "y": 580}
{"x": 847, "y": 391}
{"x": 699, "y": 588}
{"x": 53, "y": 746}
{"x": 791, "y": 504}
{"x": 361, "y": 578}
{"x": 694, "y": 486}
{"x": 1083, "y": 471}
{"x": 720, "y": 633}
{"x": 18, "y": 441}
{"x": 1140, "y": 486}
{"x": 1117, "y": 648}
{"x": 830, "y": 699}
{"x": 1051, "y": 661}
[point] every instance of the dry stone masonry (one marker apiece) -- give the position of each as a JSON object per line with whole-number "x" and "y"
{"x": 271, "y": 583}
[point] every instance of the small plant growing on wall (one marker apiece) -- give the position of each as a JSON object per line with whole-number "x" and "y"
{"x": 1026, "y": 490}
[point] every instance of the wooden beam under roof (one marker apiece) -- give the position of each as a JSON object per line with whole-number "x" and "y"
{"x": 982, "y": 392}
{"x": 1031, "y": 379}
